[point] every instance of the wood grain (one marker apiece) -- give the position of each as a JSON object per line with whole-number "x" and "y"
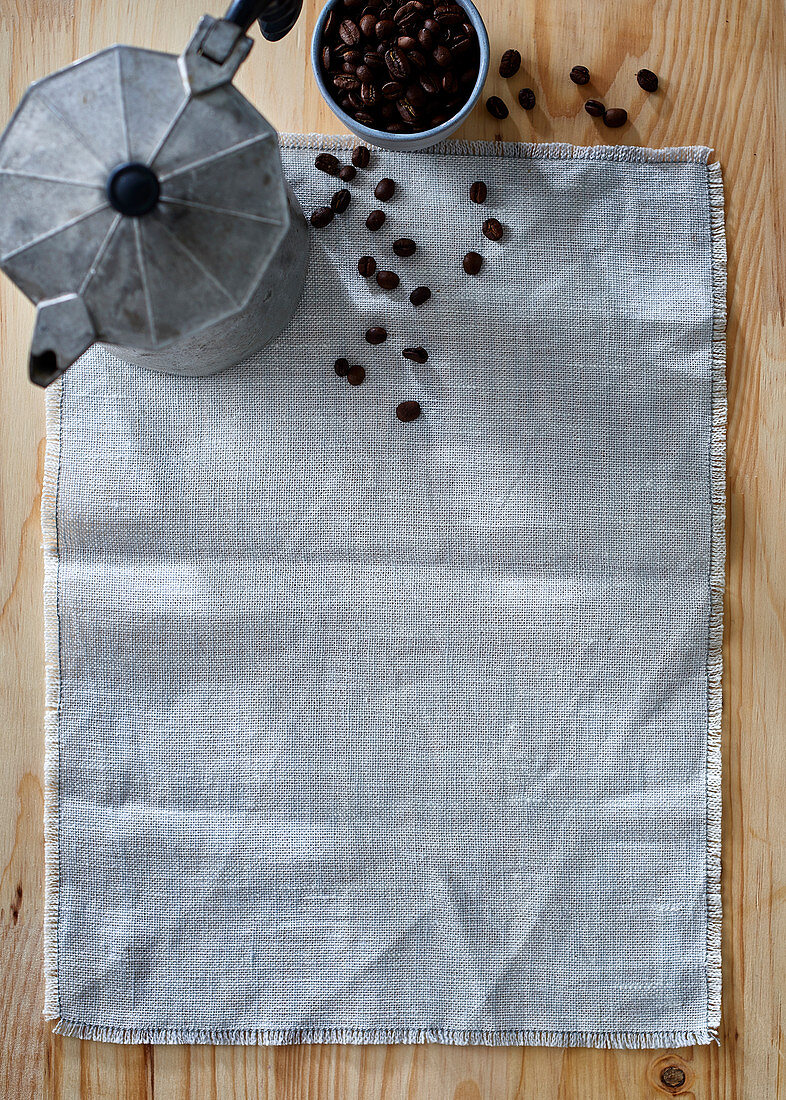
{"x": 723, "y": 84}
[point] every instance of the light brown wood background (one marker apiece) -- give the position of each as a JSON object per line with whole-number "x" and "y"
{"x": 723, "y": 84}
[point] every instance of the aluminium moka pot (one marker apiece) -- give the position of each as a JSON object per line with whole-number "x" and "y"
{"x": 143, "y": 206}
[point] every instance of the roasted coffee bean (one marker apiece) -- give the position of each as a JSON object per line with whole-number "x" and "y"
{"x": 438, "y": 119}
{"x": 478, "y": 191}
{"x": 367, "y": 266}
{"x": 417, "y": 355}
{"x": 346, "y": 103}
{"x": 385, "y": 189}
{"x": 361, "y": 155}
{"x": 442, "y": 56}
{"x": 349, "y": 55}
{"x": 407, "y": 411}
{"x": 426, "y": 38}
{"x": 647, "y": 80}
{"x": 347, "y": 173}
{"x": 408, "y": 113}
{"x": 365, "y": 118}
{"x": 420, "y": 295}
{"x": 322, "y": 216}
{"x": 326, "y": 58}
{"x": 526, "y": 99}
{"x": 417, "y": 60}
{"x": 340, "y": 201}
{"x": 341, "y": 367}
{"x": 404, "y": 246}
{"x": 368, "y": 94}
{"x": 397, "y": 63}
{"x": 367, "y": 23}
{"x": 373, "y": 61}
{"x": 595, "y": 108}
{"x": 449, "y": 83}
{"x": 356, "y": 375}
{"x": 330, "y": 24}
{"x": 415, "y": 95}
{"x": 376, "y": 335}
{"x": 472, "y": 263}
{"x": 395, "y": 128}
{"x": 364, "y": 74}
{"x": 392, "y": 89}
{"x": 493, "y": 229}
{"x": 349, "y": 32}
{"x": 388, "y": 280}
{"x": 460, "y": 47}
{"x": 407, "y": 43}
{"x": 408, "y": 11}
{"x": 615, "y": 116}
{"x": 496, "y": 108}
{"x": 345, "y": 82}
{"x": 449, "y": 18}
{"x": 326, "y": 162}
{"x": 429, "y": 86}
{"x": 579, "y": 74}
{"x": 510, "y": 63}
{"x": 355, "y": 101}
{"x": 385, "y": 29}
{"x": 375, "y": 220}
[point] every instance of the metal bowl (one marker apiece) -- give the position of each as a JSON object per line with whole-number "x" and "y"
{"x": 404, "y": 142}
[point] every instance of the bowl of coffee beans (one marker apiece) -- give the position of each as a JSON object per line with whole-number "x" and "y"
{"x": 400, "y": 74}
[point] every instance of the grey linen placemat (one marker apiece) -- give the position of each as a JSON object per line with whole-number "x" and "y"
{"x": 362, "y": 731}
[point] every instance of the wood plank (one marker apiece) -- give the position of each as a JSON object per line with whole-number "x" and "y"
{"x": 721, "y": 64}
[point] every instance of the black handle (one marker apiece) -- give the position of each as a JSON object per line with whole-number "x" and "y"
{"x": 276, "y": 18}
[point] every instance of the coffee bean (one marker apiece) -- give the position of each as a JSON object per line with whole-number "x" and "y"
{"x": 326, "y": 162}
{"x": 367, "y": 265}
{"x": 340, "y": 201}
{"x": 392, "y": 89}
{"x": 492, "y": 229}
{"x": 361, "y": 156}
{"x": 408, "y": 11}
{"x": 429, "y": 85}
{"x": 385, "y": 189}
{"x": 417, "y": 355}
{"x": 647, "y": 80}
{"x": 388, "y": 280}
{"x": 415, "y": 95}
{"x": 472, "y": 263}
{"x": 345, "y": 82}
{"x": 330, "y": 23}
{"x": 449, "y": 83}
{"x": 406, "y": 43}
{"x": 397, "y": 63}
{"x": 326, "y": 58}
{"x": 442, "y": 56}
{"x": 478, "y": 191}
{"x": 510, "y": 63}
{"x": 595, "y": 108}
{"x": 356, "y": 376}
{"x": 433, "y": 26}
{"x": 407, "y": 411}
{"x": 404, "y": 246}
{"x": 496, "y": 108}
{"x": 365, "y": 118}
{"x": 385, "y": 29}
{"x": 322, "y": 216}
{"x": 368, "y": 94}
{"x": 579, "y": 74}
{"x": 420, "y": 295}
{"x": 347, "y": 173}
{"x": 526, "y": 98}
{"x": 364, "y": 74}
{"x": 408, "y": 113}
{"x": 426, "y": 38}
{"x": 349, "y": 32}
{"x": 377, "y": 335}
{"x": 375, "y": 220}
{"x": 367, "y": 23}
{"x": 341, "y": 367}
{"x": 417, "y": 60}
{"x": 615, "y": 116}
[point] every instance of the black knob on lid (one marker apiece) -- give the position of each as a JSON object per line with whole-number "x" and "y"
{"x": 133, "y": 189}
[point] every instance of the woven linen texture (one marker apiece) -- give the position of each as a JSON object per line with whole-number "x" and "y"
{"x": 364, "y": 731}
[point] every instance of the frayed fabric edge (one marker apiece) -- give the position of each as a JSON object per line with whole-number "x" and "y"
{"x": 623, "y": 1040}
{"x": 51, "y": 699}
{"x": 687, "y": 154}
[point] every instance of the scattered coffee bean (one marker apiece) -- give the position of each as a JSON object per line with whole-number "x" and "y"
{"x": 472, "y": 263}
{"x": 361, "y": 156}
{"x": 579, "y": 74}
{"x": 385, "y": 189}
{"x": 420, "y": 295}
{"x": 341, "y": 367}
{"x": 417, "y": 355}
{"x": 376, "y": 335}
{"x": 492, "y": 229}
{"x": 326, "y": 162}
{"x": 404, "y": 247}
{"x": 407, "y": 411}
{"x": 375, "y": 220}
{"x": 388, "y": 280}
{"x": 510, "y": 63}
{"x": 647, "y": 80}
{"x": 615, "y": 116}
{"x": 496, "y": 108}
{"x": 526, "y": 99}
{"x": 356, "y": 375}
{"x": 367, "y": 265}
{"x": 340, "y": 201}
{"x": 367, "y": 23}
{"x": 478, "y": 191}
{"x": 595, "y": 108}
{"x": 347, "y": 173}
{"x": 322, "y": 216}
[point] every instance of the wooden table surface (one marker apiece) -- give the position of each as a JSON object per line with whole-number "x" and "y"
{"x": 723, "y": 81}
